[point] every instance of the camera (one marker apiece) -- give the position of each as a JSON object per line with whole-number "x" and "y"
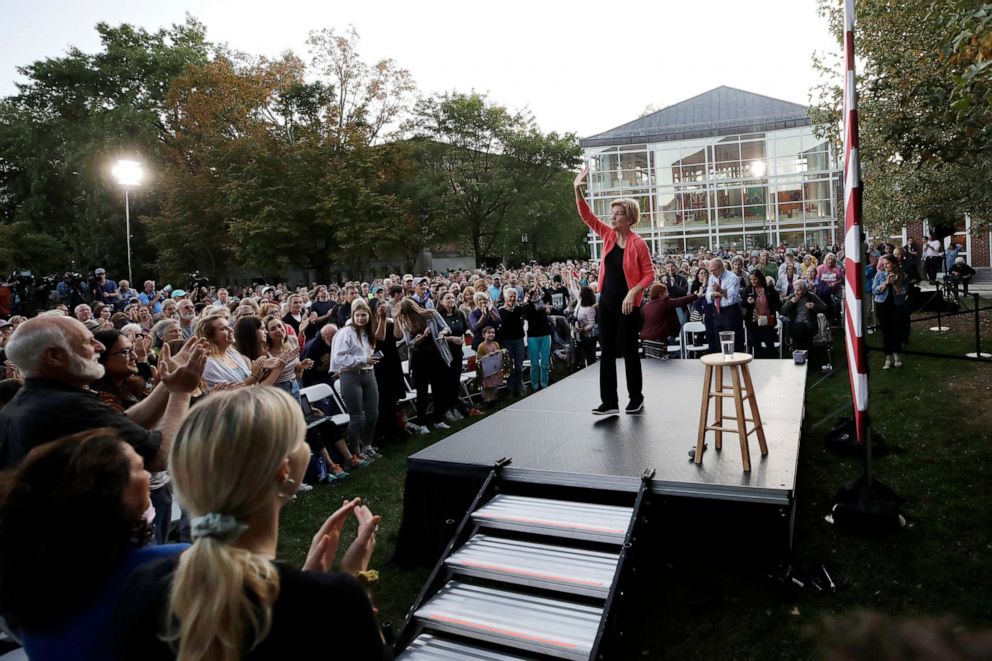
{"x": 73, "y": 278}
{"x": 197, "y": 280}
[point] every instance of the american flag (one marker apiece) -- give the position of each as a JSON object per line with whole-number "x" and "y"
{"x": 857, "y": 355}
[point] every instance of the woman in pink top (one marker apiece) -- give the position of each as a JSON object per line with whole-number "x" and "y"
{"x": 625, "y": 271}
{"x": 830, "y": 284}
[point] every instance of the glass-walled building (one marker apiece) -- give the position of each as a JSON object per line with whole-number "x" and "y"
{"x": 724, "y": 169}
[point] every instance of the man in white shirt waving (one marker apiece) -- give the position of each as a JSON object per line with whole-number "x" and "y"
{"x": 723, "y": 293}
{"x": 932, "y": 253}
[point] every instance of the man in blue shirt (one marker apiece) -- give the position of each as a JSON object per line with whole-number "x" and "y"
{"x": 723, "y": 294}
{"x": 151, "y": 297}
{"x": 104, "y": 289}
{"x": 422, "y": 295}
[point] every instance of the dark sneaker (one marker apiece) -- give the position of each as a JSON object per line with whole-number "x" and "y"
{"x": 603, "y": 409}
{"x": 635, "y": 406}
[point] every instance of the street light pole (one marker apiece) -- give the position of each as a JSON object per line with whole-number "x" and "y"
{"x": 127, "y": 226}
{"x": 128, "y": 175}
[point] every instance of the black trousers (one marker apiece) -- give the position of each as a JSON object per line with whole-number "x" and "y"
{"x": 890, "y": 320}
{"x": 618, "y": 335}
{"x": 801, "y": 335}
{"x": 429, "y": 371}
{"x": 731, "y": 318}
{"x": 932, "y": 265}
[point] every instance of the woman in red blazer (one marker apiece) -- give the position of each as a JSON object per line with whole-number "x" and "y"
{"x": 625, "y": 271}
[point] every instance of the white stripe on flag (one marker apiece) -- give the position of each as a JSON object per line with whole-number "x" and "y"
{"x": 859, "y": 383}
{"x": 852, "y": 244}
{"x": 851, "y": 171}
{"x": 852, "y": 309}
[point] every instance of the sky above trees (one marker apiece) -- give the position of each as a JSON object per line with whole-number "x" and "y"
{"x": 579, "y": 66}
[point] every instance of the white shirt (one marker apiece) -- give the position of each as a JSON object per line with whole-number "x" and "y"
{"x": 349, "y": 350}
{"x": 730, "y": 284}
{"x": 932, "y": 249}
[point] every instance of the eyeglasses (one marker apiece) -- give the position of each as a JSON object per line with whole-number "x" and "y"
{"x": 123, "y": 352}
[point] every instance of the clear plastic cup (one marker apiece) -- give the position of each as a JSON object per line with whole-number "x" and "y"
{"x": 727, "y": 344}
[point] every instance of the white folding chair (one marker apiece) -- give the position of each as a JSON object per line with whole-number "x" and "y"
{"x": 321, "y": 391}
{"x": 688, "y": 342}
{"x": 780, "y": 331}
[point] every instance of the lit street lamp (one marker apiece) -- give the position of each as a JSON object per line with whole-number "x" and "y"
{"x": 128, "y": 175}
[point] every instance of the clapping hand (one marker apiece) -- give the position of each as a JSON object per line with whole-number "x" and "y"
{"x": 324, "y": 545}
{"x": 182, "y": 375}
{"x": 356, "y": 558}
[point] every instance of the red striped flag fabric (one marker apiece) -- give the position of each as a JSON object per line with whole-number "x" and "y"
{"x": 854, "y": 253}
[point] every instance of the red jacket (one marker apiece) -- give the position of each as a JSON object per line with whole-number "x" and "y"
{"x": 637, "y": 267}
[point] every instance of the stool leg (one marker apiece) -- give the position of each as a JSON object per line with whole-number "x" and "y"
{"x": 718, "y": 422}
{"x": 704, "y": 410}
{"x": 759, "y": 428}
{"x": 741, "y": 422}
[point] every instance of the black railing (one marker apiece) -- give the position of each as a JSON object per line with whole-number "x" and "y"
{"x": 939, "y": 317}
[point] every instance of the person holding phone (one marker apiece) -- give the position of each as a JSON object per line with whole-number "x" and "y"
{"x": 889, "y": 290}
{"x": 354, "y": 356}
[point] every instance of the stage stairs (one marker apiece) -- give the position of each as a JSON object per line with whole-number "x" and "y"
{"x": 530, "y": 576}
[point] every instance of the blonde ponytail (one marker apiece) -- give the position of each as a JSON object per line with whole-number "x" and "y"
{"x": 221, "y": 597}
{"x": 223, "y": 463}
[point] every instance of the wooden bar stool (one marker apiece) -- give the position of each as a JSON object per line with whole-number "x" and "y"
{"x": 713, "y": 388}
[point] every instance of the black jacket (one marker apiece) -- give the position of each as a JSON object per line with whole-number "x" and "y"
{"x": 773, "y": 302}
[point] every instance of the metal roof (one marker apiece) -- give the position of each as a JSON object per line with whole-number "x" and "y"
{"x": 720, "y": 111}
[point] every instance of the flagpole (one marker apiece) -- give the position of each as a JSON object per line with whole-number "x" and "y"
{"x": 865, "y": 503}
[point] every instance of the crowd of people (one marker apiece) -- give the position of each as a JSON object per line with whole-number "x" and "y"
{"x": 114, "y": 405}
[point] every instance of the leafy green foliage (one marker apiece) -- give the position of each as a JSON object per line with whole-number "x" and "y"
{"x": 265, "y": 164}
{"x": 491, "y": 169}
{"x": 923, "y": 86}
{"x": 60, "y": 134}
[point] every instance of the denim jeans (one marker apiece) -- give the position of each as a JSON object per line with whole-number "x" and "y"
{"x": 516, "y": 350}
{"x": 540, "y": 355}
{"x": 361, "y": 396}
{"x": 292, "y": 387}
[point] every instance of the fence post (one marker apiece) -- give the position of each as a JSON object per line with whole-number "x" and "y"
{"x": 978, "y": 334}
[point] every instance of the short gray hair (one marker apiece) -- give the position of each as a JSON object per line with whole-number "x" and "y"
{"x": 161, "y": 326}
{"x": 26, "y": 348}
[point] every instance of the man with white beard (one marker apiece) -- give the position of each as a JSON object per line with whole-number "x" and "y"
{"x": 59, "y": 359}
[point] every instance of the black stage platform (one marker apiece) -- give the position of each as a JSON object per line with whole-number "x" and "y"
{"x": 555, "y": 443}
{"x": 552, "y": 438}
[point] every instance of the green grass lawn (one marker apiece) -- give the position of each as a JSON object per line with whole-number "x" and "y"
{"x": 935, "y": 415}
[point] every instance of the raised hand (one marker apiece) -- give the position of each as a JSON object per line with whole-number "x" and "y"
{"x": 580, "y": 178}
{"x": 184, "y": 377}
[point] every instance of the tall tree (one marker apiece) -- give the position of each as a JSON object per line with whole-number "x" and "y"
{"x": 487, "y": 165}
{"x": 370, "y": 96}
{"x": 60, "y": 133}
{"x": 923, "y": 86}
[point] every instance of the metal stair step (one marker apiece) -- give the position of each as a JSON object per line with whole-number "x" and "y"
{"x": 557, "y": 628}
{"x": 561, "y": 568}
{"x": 558, "y": 518}
{"x": 432, "y": 648}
